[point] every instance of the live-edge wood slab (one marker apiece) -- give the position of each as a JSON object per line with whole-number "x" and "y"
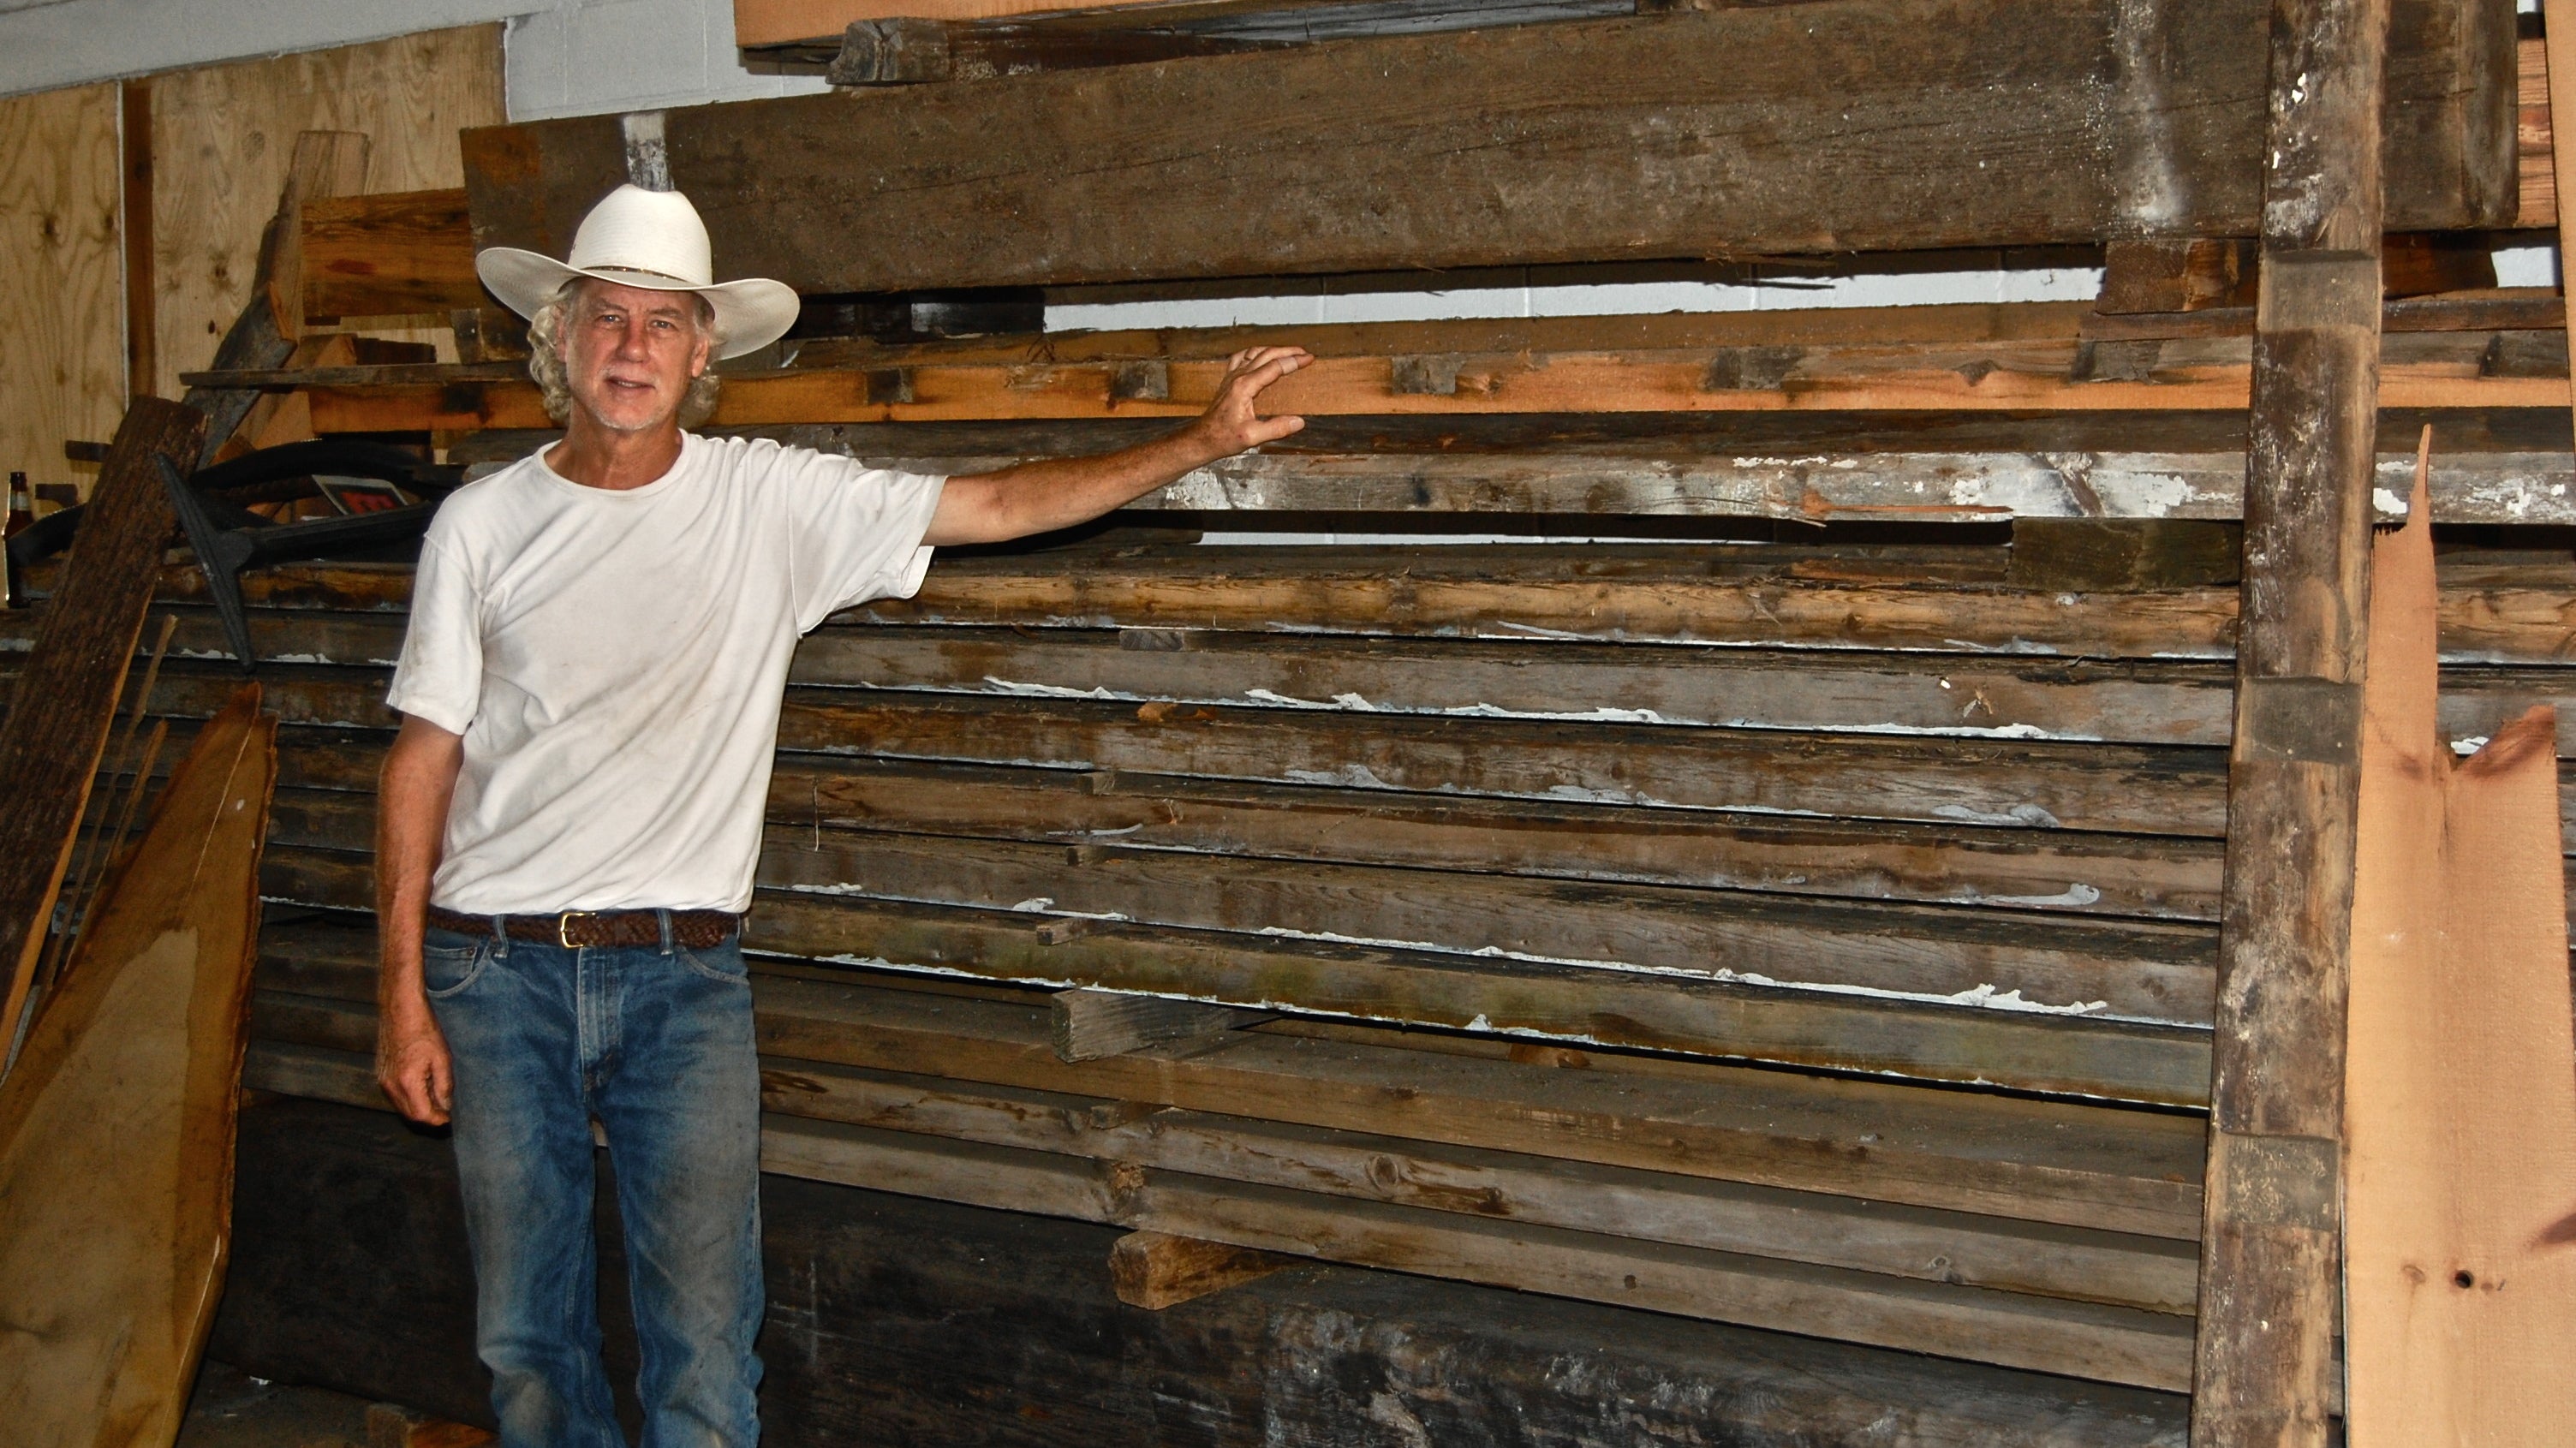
{"x": 116, "y": 1126}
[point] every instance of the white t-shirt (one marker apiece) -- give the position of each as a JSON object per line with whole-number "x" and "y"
{"x": 615, "y": 661}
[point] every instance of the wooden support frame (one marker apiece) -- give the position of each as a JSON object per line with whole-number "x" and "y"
{"x": 2270, "y": 1238}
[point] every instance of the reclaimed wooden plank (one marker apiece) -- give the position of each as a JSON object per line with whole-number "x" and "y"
{"x": 2027, "y": 1159}
{"x": 1384, "y": 153}
{"x": 395, "y": 253}
{"x": 2270, "y": 1246}
{"x": 2080, "y": 1339}
{"x": 1971, "y": 1042}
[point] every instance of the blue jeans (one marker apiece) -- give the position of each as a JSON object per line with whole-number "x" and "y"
{"x": 655, "y": 1043}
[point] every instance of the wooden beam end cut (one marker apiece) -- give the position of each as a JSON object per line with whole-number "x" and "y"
{"x": 1153, "y": 1270}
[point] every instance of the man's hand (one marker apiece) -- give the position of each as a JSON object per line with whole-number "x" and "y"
{"x": 412, "y": 795}
{"x": 1042, "y": 497}
{"x": 1230, "y": 425}
{"x": 412, "y": 1064}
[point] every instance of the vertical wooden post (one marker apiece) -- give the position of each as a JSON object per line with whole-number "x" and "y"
{"x": 2268, "y": 1278}
{"x": 2558, "y": 25}
{"x": 141, "y": 306}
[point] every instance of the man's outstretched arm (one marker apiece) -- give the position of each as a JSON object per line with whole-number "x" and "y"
{"x": 411, "y": 823}
{"x": 1041, "y": 497}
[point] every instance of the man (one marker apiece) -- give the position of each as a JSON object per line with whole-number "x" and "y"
{"x": 570, "y": 816}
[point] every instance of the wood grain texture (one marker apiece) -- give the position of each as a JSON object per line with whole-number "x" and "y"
{"x": 2460, "y": 1107}
{"x": 116, "y": 1126}
{"x": 2211, "y": 375}
{"x": 62, "y": 344}
{"x": 379, "y": 255}
{"x": 2265, "y": 1376}
{"x": 2535, "y": 154}
{"x": 223, "y": 137}
{"x": 1155, "y": 1270}
{"x": 2074, "y": 1164}
{"x": 66, "y": 695}
{"x": 2078, "y": 119}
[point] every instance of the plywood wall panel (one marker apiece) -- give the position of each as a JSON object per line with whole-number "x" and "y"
{"x": 62, "y": 336}
{"x": 222, "y": 137}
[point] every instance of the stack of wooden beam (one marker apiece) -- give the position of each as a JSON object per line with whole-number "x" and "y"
{"x": 1818, "y": 934}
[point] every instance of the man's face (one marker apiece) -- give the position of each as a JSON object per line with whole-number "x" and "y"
{"x": 630, "y": 354}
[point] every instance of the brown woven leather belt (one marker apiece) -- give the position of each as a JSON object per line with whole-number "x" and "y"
{"x": 696, "y": 929}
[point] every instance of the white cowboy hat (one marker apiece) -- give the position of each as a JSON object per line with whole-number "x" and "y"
{"x": 649, "y": 239}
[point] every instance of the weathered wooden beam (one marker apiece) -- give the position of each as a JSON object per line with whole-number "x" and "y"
{"x": 2019, "y": 869}
{"x": 908, "y": 1311}
{"x": 1972, "y": 1042}
{"x": 395, "y": 253}
{"x": 909, "y": 50}
{"x": 2149, "y": 1273}
{"x": 2102, "y": 555}
{"x": 1155, "y": 1270}
{"x": 2176, "y": 274}
{"x": 2441, "y": 370}
{"x": 2079, "y": 1339}
{"x": 2078, "y": 120}
{"x": 2559, "y": 67}
{"x": 1089, "y": 1023}
{"x": 2043, "y": 1161}
{"x": 2270, "y": 1250}
{"x": 2040, "y": 785}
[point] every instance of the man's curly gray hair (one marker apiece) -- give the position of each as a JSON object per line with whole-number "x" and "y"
{"x": 546, "y": 359}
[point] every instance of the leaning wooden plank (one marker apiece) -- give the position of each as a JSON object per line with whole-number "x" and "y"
{"x": 2270, "y": 1244}
{"x": 382, "y": 255}
{"x": 2460, "y": 1083}
{"x": 1380, "y": 154}
{"x": 2079, "y": 1165}
{"x": 116, "y": 1126}
{"x": 66, "y": 692}
{"x": 325, "y": 163}
{"x": 2081, "y": 1339}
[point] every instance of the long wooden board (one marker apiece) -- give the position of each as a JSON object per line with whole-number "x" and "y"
{"x": 1703, "y": 594}
{"x": 1592, "y": 141}
{"x": 116, "y": 1127}
{"x": 2460, "y": 1075}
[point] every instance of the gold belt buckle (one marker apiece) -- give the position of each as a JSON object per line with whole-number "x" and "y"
{"x": 563, "y": 926}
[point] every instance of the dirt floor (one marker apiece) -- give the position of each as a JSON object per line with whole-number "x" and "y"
{"x": 231, "y": 1409}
